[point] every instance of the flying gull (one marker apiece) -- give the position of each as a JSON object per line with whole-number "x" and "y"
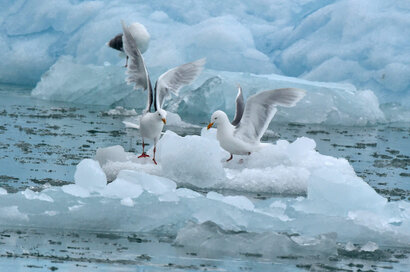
{"x": 138, "y": 32}
{"x": 152, "y": 122}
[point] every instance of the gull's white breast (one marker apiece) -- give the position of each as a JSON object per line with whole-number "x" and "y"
{"x": 150, "y": 126}
{"x": 233, "y": 144}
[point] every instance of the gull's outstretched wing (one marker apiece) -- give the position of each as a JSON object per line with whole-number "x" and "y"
{"x": 137, "y": 72}
{"x": 240, "y": 106}
{"x": 175, "y": 78}
{"x": 260, "y": 109}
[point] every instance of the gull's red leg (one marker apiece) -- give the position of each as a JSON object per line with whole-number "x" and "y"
{"x": 230, "y": 158}
{"x": 155, "y": 150}
{"x": 143, "y": 155}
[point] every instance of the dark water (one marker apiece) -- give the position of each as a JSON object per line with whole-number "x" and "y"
{"x": 41, "y": 142}
{"x": 72, "y": 250}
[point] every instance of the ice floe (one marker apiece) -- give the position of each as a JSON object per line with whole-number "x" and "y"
{"x": 194, "y": 192}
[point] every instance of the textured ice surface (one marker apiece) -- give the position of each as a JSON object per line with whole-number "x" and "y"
{"x": 169, "y": 198}
{"x": 363, "y": 43}
{"x": 327, "y": 103}
{"x": 84, "y": 84}
{"x": 279, "y": 168}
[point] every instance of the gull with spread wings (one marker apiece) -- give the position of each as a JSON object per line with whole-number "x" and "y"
{"x": 140, "y": 35}
{"x": 152, "y": 121}
{"x": 242, "y": 136}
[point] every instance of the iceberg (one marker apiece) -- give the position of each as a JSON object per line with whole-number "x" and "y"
{"x": 325, "y": 103}
{"x": 360, "y": 43}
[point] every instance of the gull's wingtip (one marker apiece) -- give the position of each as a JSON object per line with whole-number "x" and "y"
{"x": 124, "y": 26}
{"x": 200, "y": 62}
{"x": 301, "y": 92}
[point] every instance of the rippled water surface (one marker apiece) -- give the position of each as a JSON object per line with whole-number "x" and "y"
{"x": 41, "y": 142}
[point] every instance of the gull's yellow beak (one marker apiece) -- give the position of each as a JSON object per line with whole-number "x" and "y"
{"x": 210, "y": 125}
{"x": 164, "y": 121}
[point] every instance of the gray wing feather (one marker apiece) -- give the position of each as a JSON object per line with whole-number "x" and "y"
{"x": 260, "y": 109}
{"x": 136, "y": 71}
{"x": 240, "y": 106}
{"x": 175, "y": 78}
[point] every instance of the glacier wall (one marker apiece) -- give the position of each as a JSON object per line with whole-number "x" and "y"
{"x": 364, "y": 43}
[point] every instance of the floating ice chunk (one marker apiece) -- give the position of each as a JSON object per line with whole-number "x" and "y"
{"x": 89, "y": 178}
{"x": 75, "y": 207}
{"x": 75, "y": 190}
{"x": 278, "y": 204}
{"x": 89, "y": 175}
{"x": 174, "y": 119}
{"x": 350, "y": 246}
{"x": 152, "y": 184}
{"x": 127, "y": 202}
{"x": 187, "y": 193}
{"x": 121, "y": 111}
{"x": 29, "y": 194}
{"x": 280, "y": 179}
{"x": 113, "y": 153}
{"x": 209, "y": 133}
{"x": 51, "y": 213}
{"x": 3, "y": 191}
{"x": 169, "y": 197}
{"x": 328, "y": 103}
{"x": 12, "y": 213}
{"x": 281, "y": 168}
{"x": 210, "y": 240}
{"x": 122, "y": 188}
{"x": 240, "y": 202}
{"x": 342, "y": 194}
{"x": 112, "y": 168}
{"x": 369, "y": 247}
{"x": 203, "y": 169}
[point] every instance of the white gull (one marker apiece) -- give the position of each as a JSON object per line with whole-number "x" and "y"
{"x": 242, "y": 136}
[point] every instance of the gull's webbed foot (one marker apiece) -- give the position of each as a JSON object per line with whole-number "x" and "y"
{"x": 143, "y": 155}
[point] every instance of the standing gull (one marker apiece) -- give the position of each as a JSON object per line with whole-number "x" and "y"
{"x": 138, "y": 32}
{"x": 151, "y": 123}
{"x": 242, "y": 136}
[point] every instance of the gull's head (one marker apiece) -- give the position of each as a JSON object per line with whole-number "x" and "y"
{"x": 217, "y": 118}
{"x": 161, "y": 115}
